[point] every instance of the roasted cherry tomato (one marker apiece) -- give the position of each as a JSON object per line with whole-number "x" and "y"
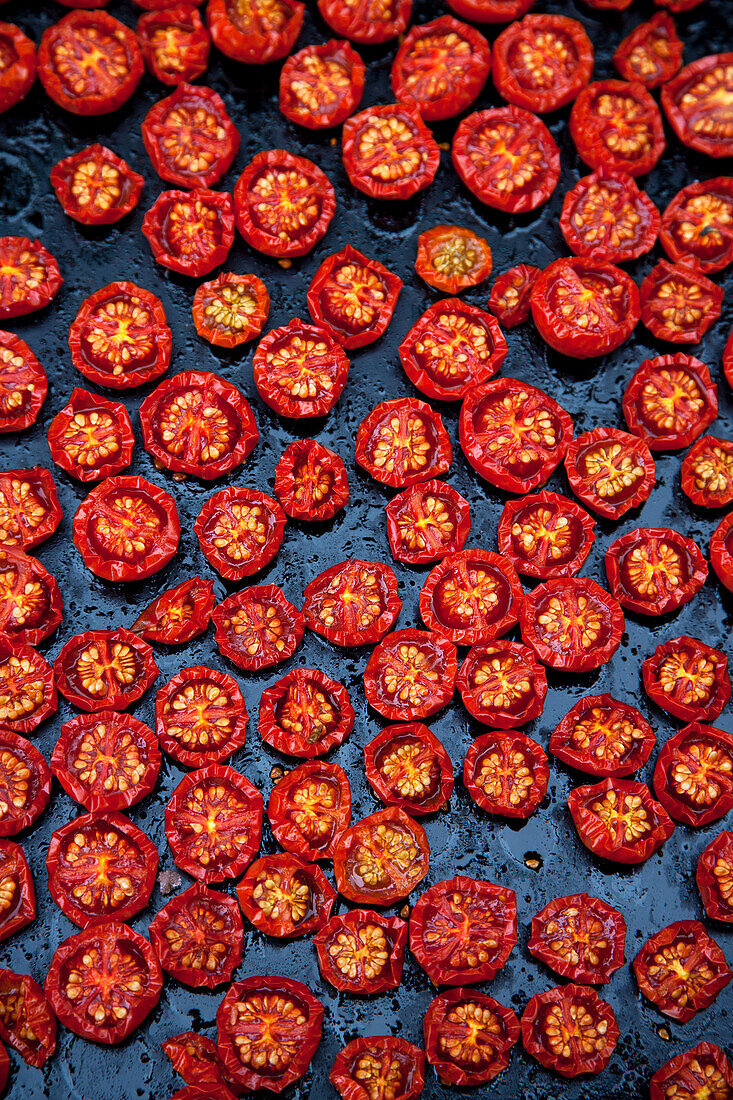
{"x": 361, "y": 951}
{"x": 697, "y": 226}
{"x": 25, "y": 782}
{"x": 30, "y": 601}
{"x": 681, "y": 970}
{"x": 27, "y": 687}
{"x": 502, "y": 684}
{"x": 610, "y": 471}
{"x": 545, "y": 535}
{"x": 258, "y": 627}
{"x": 23, "y": 384}
{"x": 506, "y": 773}
{"x": 190, "y": 232}
{"x": 268, "y": 1030}
{"x": 513, "y": 434}
{"x": 194, "y": 1058}
{"x": 407, "y": 766}
{"x": 27, "y": 1022}
{"x": 507, "y": 157}
{"x": 490, "y": 11}
{"x": 442, "y": 66}
{"x": 120, "y": 337}
{"x": 572, "y": 624}
{"x": 257, "y": 32}
{"x": 230, "y": 309}
{"x": 91, "y": 437}
{"x": 178, "y": 614}
{"x": 615, "y": 124}
{"x": 200, "y": 716}
{"x": 381, "y": 858}
{"x": 174, "y": 42}
{"x": 654, "y": 570}
{"x": 104, "y": 669}
{"x": 452, "y": 258}
{"x": 463, "y": 930}
{"x": 651, "y": 53}
{"x": 542, "y": 62}
{"x": 103, "y": 982}
{"x": 106, "y": 761}
{"x": 239, "y": 531}
{"x": 701, "y": 1069}
{"x": 715, "y": 879}
{"x": 17, "y": 896}
{"x": 510, "y": 295}
{"x": 320, "y": 86}
{"x": 388, "y": 151}
{"x": 309, "y": 808}
{"x": 579, "y": 937}
{"x": 569, "y": 1029}
{"x": 696, "y": 103}
{"x": 285, "y": 897}
{"x": 96, "y": 187}
{"x": 283, "y": 204}
{"x": 451, "y": 348}
{"x": 300, "y": 370}
{"x": 678, "y": 303}
{"x": 379, "y": 1066}
{"x": 693, "y": 777}
{"x": 198, "y": 937}
{"x": 189, "y": 136}
{"x": 305, "y": 713}
{"x": 310, "y": 481}
{"x": 353, "y": 298}
{"x": 688, "y": 679}
{"x": 607, "y": 217}
{"x": 89, "y": 63}
{"x": 670, "y": 401}
{"x": 29, "y": 277}
{"x": 468, "y": 1037}
{"x": 602, "y": 737}
{"x": 101, "y": 867}
{"x": 470, "y": 597}
{"x": 619, "y": 820}
{"x": 213, "y": 823}
{"x": 402, "y": 442}
{"x": 366, "y": 21}
{"x": 353, "y": 603}
{"x": 410, "y": 674}
{"x": 426, "y": 522}
{"x": 18, "y": 65}
{"x": 721, "y": 551}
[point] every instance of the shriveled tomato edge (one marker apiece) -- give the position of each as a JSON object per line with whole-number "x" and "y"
{"x": 349, "y": 837}
{"x": 720, "y": 559}
{"x": 253, "y": 47}
{"x": 685, "y": 712}
{"x": 338, "y": 634}
{"x": 639, "y": 36}
{"x": 343, "y": 19}
{"x": 625, "y": 853}
{"x": 587, "y": 494}
{"x": 17, "y": 80}
{"x": 40, "y": 383}
{"x": 443, "y": 452}
{"x": 392, "y": 285}
{"x": 278, "y": 738}
{"x": 287, "y": 833}
{"x": 462, "y": 514}
{"x": 566, "y": 661}
{"x": 278, "y": 599}
{"x": 644, "y": 207}
{"x": 9, "y": 647}
{"x": 561, "y": 748}
{"x": 83, "y": 400}
{"x": 587, "y": 142}
{"x": 490, "y": 11}
{"x": 12, "y": 825}
{"x": 271, "y": 243}
{"x": 202, "y": 757}
{"x": 154, "y": 224}
{"x": 677, "y": 809}
{"x": 674, "y": 90}
{"x": 231, "y": 339}
{"x": 690, "y": 270}
{"x": 666, "y": 936}
{"x": 23, "y": 903}
{"x": 666, "y": 237}
{"x": 640, "y": 377}
{"x": 422, "y": 139}
{"x": 273, "y": 395}
{"x": 682, "y": 593}
{"x": 452, "y": 1072}
{"x": 461, "y": 94}
{"x": 526, "y": 566}
{"x": 376, "y": 779}
{"x": 189, "y": 975}
{"x": 349, "y": 101}
{"x": 540, "y": 772}
{"x": 62, "y": 174}
{"x": 571, "y": 1067}
{"x": 153, "y": 127}
{"x": 550, "y": 99}
{"x": 576, "y": 972}
{"x": 216, "y": 503}
{"x": 503, "y": 719}
{"x": 701, "y": 1052}
{"x": 323, "y": 895}
{"x": 341, "y": 1075}
{"x": 29, "y": 569}
{"x": 702, "y": 497}
{"x": 41, "y": 296}
{"x": 46, "y": 1042}
{"x": 475, "y": 633}
{"x": 443, "y": 692}
{"x": 715, "y": 906}
{"x": 201, "y": 593}
{"x": 196, "y": 52}
{"x": 121, "y": 699}
{"x": 396, "y": 935}
{"x": 285, "y": 482}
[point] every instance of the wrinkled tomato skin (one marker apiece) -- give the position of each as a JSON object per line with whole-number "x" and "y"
{"x": 317, "y": 704}
{"x": 94, "y": 653}
{"x": 704, "y": 211}
{"x": 692, "y": 995}
{"x": 651, "y": 53}
{"x": 416, "y": 745}
{"x": 721, "y": 552}
{"x": 694, "y": 408}
{"x": 179, "y": 614}
{"x": 511, "y": 294}
{"x": 291, "y": 799}
{"x": 184, "y": 914}
{"x": 189, "y": 126}
{"x": 259, "y": 41}
{"x": 531, "y": 549}
{"x": 20, "y": 899}
{"x": 432, "y": 662}
{"x": 469, "y": 333}
{"x": 426, "y": 522}
{"x": 306, "y": 220}
{"x": 350, "y": 268}
{"x": 80, "y": 450}
{"x": 714, "y": 878}
{"x": 382, "y": 1054}
{"x": 84, "y": 34}
{"x": 24, "y": 1009}
{"x": 582, "y": 274}
{"x": 596, "y": 835}
{"x": 16, "y": 79}
{"x": 602, "y": 233}
{"x": 243, "y": 318}
{"x": 610, "y": 471}
{"x": 183, "y": 54}
{"x": 691, "y": 1071}
{"x": 695, "y": 788}
{"x": 438, "y": 52}
{"x": 226, "y": 512}
{"x": 478, "y": 622}
{"x": 194, "y": 1058}
{"x": 182, "y": 207}
{"x": 329, "y": 945}
{"x": 418, "y": 449}
{"x": 355, "y": 20}
{"x": 347, "y": 88}
{"x": 564, "y": 1001}
{"x": 85, "y": 173}
{"x": 31, "y": 607}
{"x": 207, "y": 698}
{"x": 700, "y": 661}
{"x": 18, "y": 255}
{"x": 600, "y": 709}
{"x": 18, "y": 756}
{"x": 593, "y": 962}
{"x": 300, "y": 474}
{"x": 393, "y": 884}
{"x": 21, "y": 397}
{"x": 592, "y": 129}
{"x": 510, "y": 662}
{"x": 390, "y": 125}
{"x": 703, "y": 302}
{"x": 489, "y": 1042}
{"x": 316, "y": 353}
{"x": 452, "y": 258}
{"x": 490, "y": 11}
{"x": 288, "y": 872}
{"x": 629, "y": 559}
{"x": 547, "y": 35}
{"x": 678, "y": 102}
{"x": 266, "y": 601}
{"x": 18, "y": 662}
{"x": 518, "y": 796}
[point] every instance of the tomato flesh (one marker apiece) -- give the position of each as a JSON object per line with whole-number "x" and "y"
{"x": 698, "y": 224}
{"x": 510, "y": 296}
{"x": 545, "y": 535}
{"x": 402, "y": 442}
{"x": 426, "y": 522}
{"x": 27, "y": 1021}
{"x": 258, "y": 627}
{"x": 27, "y": 687}
{"x": 198, "y": 937}
{"x": 693, "y": 777}
{"x": 300, "y": 370}
{"x": 451, "y": 348}
{"x": 678, "y": 303}
{"x": 29, "y": 277}
{"x": 190, "y": 232}
{"x": 601, "y": 736}
{"x": 106, "y": 761}
{"x": 174, "y": 42}
{"x": 688, "y": 679}
{"x": 470, "y": 597}
{"x": 469, "y": 1037}
{"x": 606, "y": 216}
{"x": 697, "y": 104}
{"x": 452, "y": 258}
{"x": 18, "y": 67}
{"x": 239, "y": 531}
{"x": 353, "y": 298}
{"x": 320, "y": 86}
{"x": 617, "y": 125}
{"x": 30, "y": 600}
{"x": 411, "y": 674}
{"x": 654, "y": 570}
{"x": 89, "y": 63}
{"x": 104, "y": 669}
{"x": 651, "y": 53}
{"x": 96, "y": 187}
{"x": 579, "y": 937}
{"x": 25, "y": 783}
{"x": 681, "y": 970}
{"x": 365, "y": 21}
{"x": 283, "y": 204}
{"x": 502, "y": 684}
{"x": 16, "y": 890}
{"x": 311, "y": 481}
{"x": 441, "y": 65}
{"x": 200, "y": 717}
{"x": 309, "y": 807}
{"x": 570, "y": 1029}
{"x": 285, "y": 897}
{"x": 257, "y": 32}
{"x": 506, "y": 773}
{"x": 542, "y": 62}
{"x": 407, "y": 766}
{"x": 619, "y": 820}
{"x": 715, "y": 877}
{"x": 305, "y": 713}
{"x": 697, "y": 1070}
{"x": 353, "y": 603}
{"x": 670, "y": 401}
{"x": 230, "y": 309}
{"x": 362, "y": 952}
{"x": 388, "y": 152}
{"x": 179, "y": 614}
{"x": 381, "y": 858}
{"x": 373, "y": 1065}
{"x": 91, "y": 438}
{"x": 189, "y": 137}
{"x": 610, "y": 471}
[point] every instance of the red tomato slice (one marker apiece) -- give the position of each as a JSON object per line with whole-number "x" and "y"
{"x": 29, "y": 277}
{"x": 362, "y": 952}
{"x": 607, "y": 217}
{"x": 27, "y": 687}
{"x": 283, "y": 204}
{"x": 106, "y": 761}
{"x": 23, "y": 384}
{"x": 27, "y": 1022}
{"x": 19, "y": 65}
{"x": 198, "y": 937}
{"x": 410, "y": 674}
{"x": 190, "y": 232}
{"x": 615, "y": 124}
{"x": 300, "y": 370}
{"x": 426, "y": 522}
{"x": 697, "y": 226}
{"x": 619, "y": 820}
{"x": 721, "y": 551}
{"x": 257, "y": 627}
{"x": 703, "y": 1067}
{"x": 545, "y": 535}
{"x": 579, "y": 937}
{"x": 378, "y": 1065}
{"x": 381, "y": 858}
{"x": 19, "y": 899}
{"x": 679, "y": 304}
{"x": 688, "y": 679}
{"x": 366, "y": 21}
{"x": 511, "y": 294}
{"x": 610, "y": 471}
{"x": 25, "y": 782}
{"x": 654, "y": 570}
{"x": 402, "y": 442}
{"x": 353, "y": 603}
{"x": 89, "y": 63}
{"x": 463, "y": 931}
{"x": 681, "y": 970}
{"x": 178, "y": 614}
{"x": 507, "y": 157}
{"x": 213, "y": 823}
{"x": 320, "y": 86}
{"x": 195, "y": 1059}
{"x": 441, "y": 65}
{"x": 715, "y": 879}
{"x": 696, "y": 101}
{"x": 670, "y": 401}
{"x": 570, "y": 1030}
{"x": 502, "y": 684}
{"x": 91, "y": 437}
{"x": 305, "y": 713}
{"x": 572, "y": 624}
{"x": 30, "y": 601}
{"x": 407, "y": 766}
{"x": 693, "y": 777}
{"x": 506, "y": 773}
{"x": 95, "y": 186}
{"x": 469, "y": 1037}
{"x": 239, "y": 531}
{"x": 389, "y": 152}
{"x": 257, "y": 32}
{"x": 120, "y": 337}
{"x": 451, "y": 348}
{"x": 104, "y": 669}
{"x": 470, "y": 597}
{"x": 200, "y": 716}
{"x": 603, "y": 737}
{"x": 284, "y": 897}
{"x": 490, "y": 11}
{"x": 310, "y": 481}
{"x": 651, "y": 53}
{"x": 230, "y": 309}
{"x": 189, "y": 136}
{"x": 542, "y": 62}
{"x": 353, "y": 298}
{"x": 309, "y": 808}
{"x": 452, "y": 258}
{"x": 174, "y": 42}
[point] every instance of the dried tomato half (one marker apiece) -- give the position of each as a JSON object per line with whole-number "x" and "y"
{"x": 257, "y": 32}
{"x": 703, "y": 1068}
{"x": 283, "y": 204}
{"x": 670, "y": 401}
{"x": 103, "y": 982}
{"x": 452, "y": 258}
{"x": 402, "y": 442}
{"x": 353, "y": 603}
{"x": 18, "y": 66}
{"x": 96, "y": 187}
{"x": 309, "y": 808}
{"x": 230, "y": 309}
{"x": 89, "y": 63}
{"x": 490, "y": 11}
{"x": 507, "y": 157}
{"x": 651, "y": 53}
{"x": 569, "y": 1029}
{"x": 310, "y": 481}
{"x": 23, "y": 383}
{"x": 451, "y": 348}
{"x": 268, "y": 1030}
{"x": 381, "y": 858}
{"x": 362, "y": 952}
{"x": 410, "y": 674}
{"x": 468, "y": 1037}
{"x": 101, "y": 867}
{"x": 27, "y": 1022}
{"x": 607, "y": 217}
{"x": 602, "y": 737}
{"x": 104, "y": 669}
{"x": 688, "y": 679}
{"x": 619, "y": 820}
{"x": 190, "y": 232}
{"x": 407, "y": 766}
{"x": 300, "y": 370}
{"x": 174, "y": 42}
{"x": 120, "y": 337}
{"x": 572, "y": 624}
{"x": 91, "y": 437}
{"x": 30, "y": 599}
{"x": 17, "y": 896}
{"x": 511, "y": 293}
{"x": 541, "y": 62}
{"x": 213, "y": 823}
{"x": 721, "y": 551}
{"x": 305, "y": 713}
{"x": 610, "y": 471}
{"x": 239, "y": 531}
{"x": 579, "y": 937}
{"x": 195, "y": 1059}
{"x": 693, "y": 777}
{"x": 27, "y": 687}
{"x": 285, "y": 897}
{"x": 441, "y": 65}
{"x": 426, "y": 522}
{"x": 654, "y": 570}
{"x": 470, "y": 597}
{"x": 178, "y": 614}
{"x": 681, "y": 970}
{"x": 463, "y": 930}
{"x": 353, "y": 298}
{"x": 322, "y": 85}
{"x": 697, "y": 226}
{"x": 189, "y": 136}
{"x": 389, "y": 152}
{"x": 615, "y": 124}
{"x": 696, "y": 103}
{"x": 715, "y": 879}
{"x": 678, "y": 303}
{"x": 25, "y": 782}
{"x": 506, "y": 773}
{"x": 377, "y": 1066}
{"x": 364, "y": 21}
{"x": 257, "y": 627}
{"x": 29, "y": 277}
{"x": 545, "y": 535}
{"x": 106, "y": 761}
{"x": 502, "y": 684}
{"x": 198, "y": 937}
{"x": 200, "y": 716}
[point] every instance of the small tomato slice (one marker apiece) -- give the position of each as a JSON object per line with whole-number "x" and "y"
{"x": 106, "y": 761}
{"x": 697, "y": 226}
{"x": 569, "y": 1029}
{"x": 511, "y": 294}
{"x": 469, "y": 1037}
{"x": 584, "y": 306}
{"x": 696, "y": 103}
{"x": 426, "y": 522}
{"x": 402, "y": 442}
{"x": 198, "y": 937}
{"x": 693, "y": 777}
{"x": 104, "y": 669}
{"x": 703, "y": 1068}
{"x": 320, "y": 86}
{"x": 471, "y": 597}
{"x": 502, "y": 684}
{"x": 305, "y": 713}
{"x": 603, "y": 737}
{"x": 381, "y": 858}
{"x": 407, "y": 766}
{"x": 27, "y": 687}
{"x": 178, "y": 614}
{"x": 30, "y": 600}
{"x": 610, "y": 471}
{"x": 239, "y": 531}
{"x": 190, "y": 232}
{"x": 309, "y": 808}
{"x": 607, "y": 217}
{"x": 352, "y": 603}
{"x": 378, "y": 1066}
{"x": 16, "y": 890}
{"x": 174, "y": 42}
{"x": 283, "y": 204}
{"x": 441, "y": 65}
{"x": 670, "y": 401}
{"x": 29, "y": 277}
{"x": 615, "y": 124}
{"x": 688, "y": 679}
{"x": 195, "y": 1059}
{"x": 18, "y": 69}
{"x": 681, "y": 970}
{"x": 300, "y": 370}
{"x": 120, "y": 337}
{"x": 721, "y": 551}
{"x": 27, "y": 1022}
{"x": 654, "y": 570}
{"x": 541, "y": 62}
{"x": 353, "y": 298}
{"x": 579, "y": 937}
{"x": 189, "y": 136}
{"x": 451, "y": 348}
{"x": 714, "y": 877}
{"x": 284, "y": 897}
{"x": 91, "y": 438}
{"x": 25, "y": 783}
{"x": 310, "y": 481}
{"x": 389, "y": 152}
{"x": 452, "y": 258}
{"x": 651, "y": 53}
{"x": 362, "y": 952}
{"x": 410, "y": 674}
{"x": 200, "y": 716}
{"x": 572, "y": 624}
{"x": 619, "y": 820}
{"x": 89, "y": 63}
{"x": 230, "y": 309}
{"x": 365, "y": 21}
{"x": 95, "y": 186}
{"x": 463, "y": 930}
{"x": 23, "y": 384}
{"x": 506, "y": 773}
{"x": 545, "y": 535}
{"x": 257, "y": 627}
{"x": 678, "y": 303}
{"x": 257, "y": 32}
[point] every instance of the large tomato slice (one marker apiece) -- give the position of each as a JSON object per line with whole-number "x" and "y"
{"x": 95, "y": 186}
{"x": 362, "y": 952}
{"x": 381, "y": 858}
{"x": 17, "y": 896}
{"x": 198, "y": 936}
{"x": 174, "y": 42}
{"x": 441, "y": 65}
{"x": 91, "y": 437}
{"x": 239, "y": 531}
{"x": 469, "y": 1037}
{"x": 506, "y": 773}
{"x": 681, "y": 970}
{"x": 714, "y": 877}
{"x": 699, "y": 1070}
{"x": 545, "y": 535}
{"x": 651, "y": 53}
{"x": 27, "y": 687}
{"x": 353, "y": 298}
{"x": 698, "y": 224}
{"x": 610, "y": 471}
{"x": 366, "y": 21}
{"x": 721, "y": 551}
{"x": 190, "y": 232}
{"x": 305, "y": 713}
{"x": 311, "y": 481}
{"x": 18, "y": 69}
{"x": 352, "y": 603}
{"x": 678, "y": 303}
{"x": 283, "y": 204}
{"x": 255, "y": 32}
{"x": 688, "y": 679}
{"x": 300, "y": 370}
{"x": 617, "y": 125}
{"x": 389, "y": 152}
{"x": 569, "y": 1029}
{"x": 89, "y": 63}
{"x": 200, "y": 716}
{"x": 178, "y": 614}
{"x": 29, "y": 277}
{"x": 410, "y": 674}
{"x": 23, "y": 384}
{"x": 285, "y": 897}
{"x": 583, "y": 306}
{"x": 25, "y": 783}
{"x": 257, "y": 627}
{"x": 452, "y": 347}
{"x": 30, "y": 600}
{"x": 309, "y": 808}
{"x": 670, "y": 401}
{"x": 407, "y": 766}
{"x": 27, "y": 1022}
{"x": 104, "y": 669}
{"x": 619, "y": 820}
{"x": 106, "y": 761}
{"x": 541, "y": 62}
{"x": 572, "y": 624}
{"x": 452, "y": 258}
{"x": 426, "y": 522}
{"x": 606, "y": 216}
{"x": 654, "y": 570}
{"x": 510, "y": 296}
{"x": 403, "y": 441}
{"x": 502, "y": 684}
{"x": 470, "y": 597}
{"x": 190, "y": 137}
{"x": 579, "y": 937}
{"x": 601, "y": 736}
{"x": 693, "y": 777}
{"x": 230, "y": 309}
{"x": 697, "y": 104}
{"x": 377, "y": 1066}
{"x": 322, "y": 85}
